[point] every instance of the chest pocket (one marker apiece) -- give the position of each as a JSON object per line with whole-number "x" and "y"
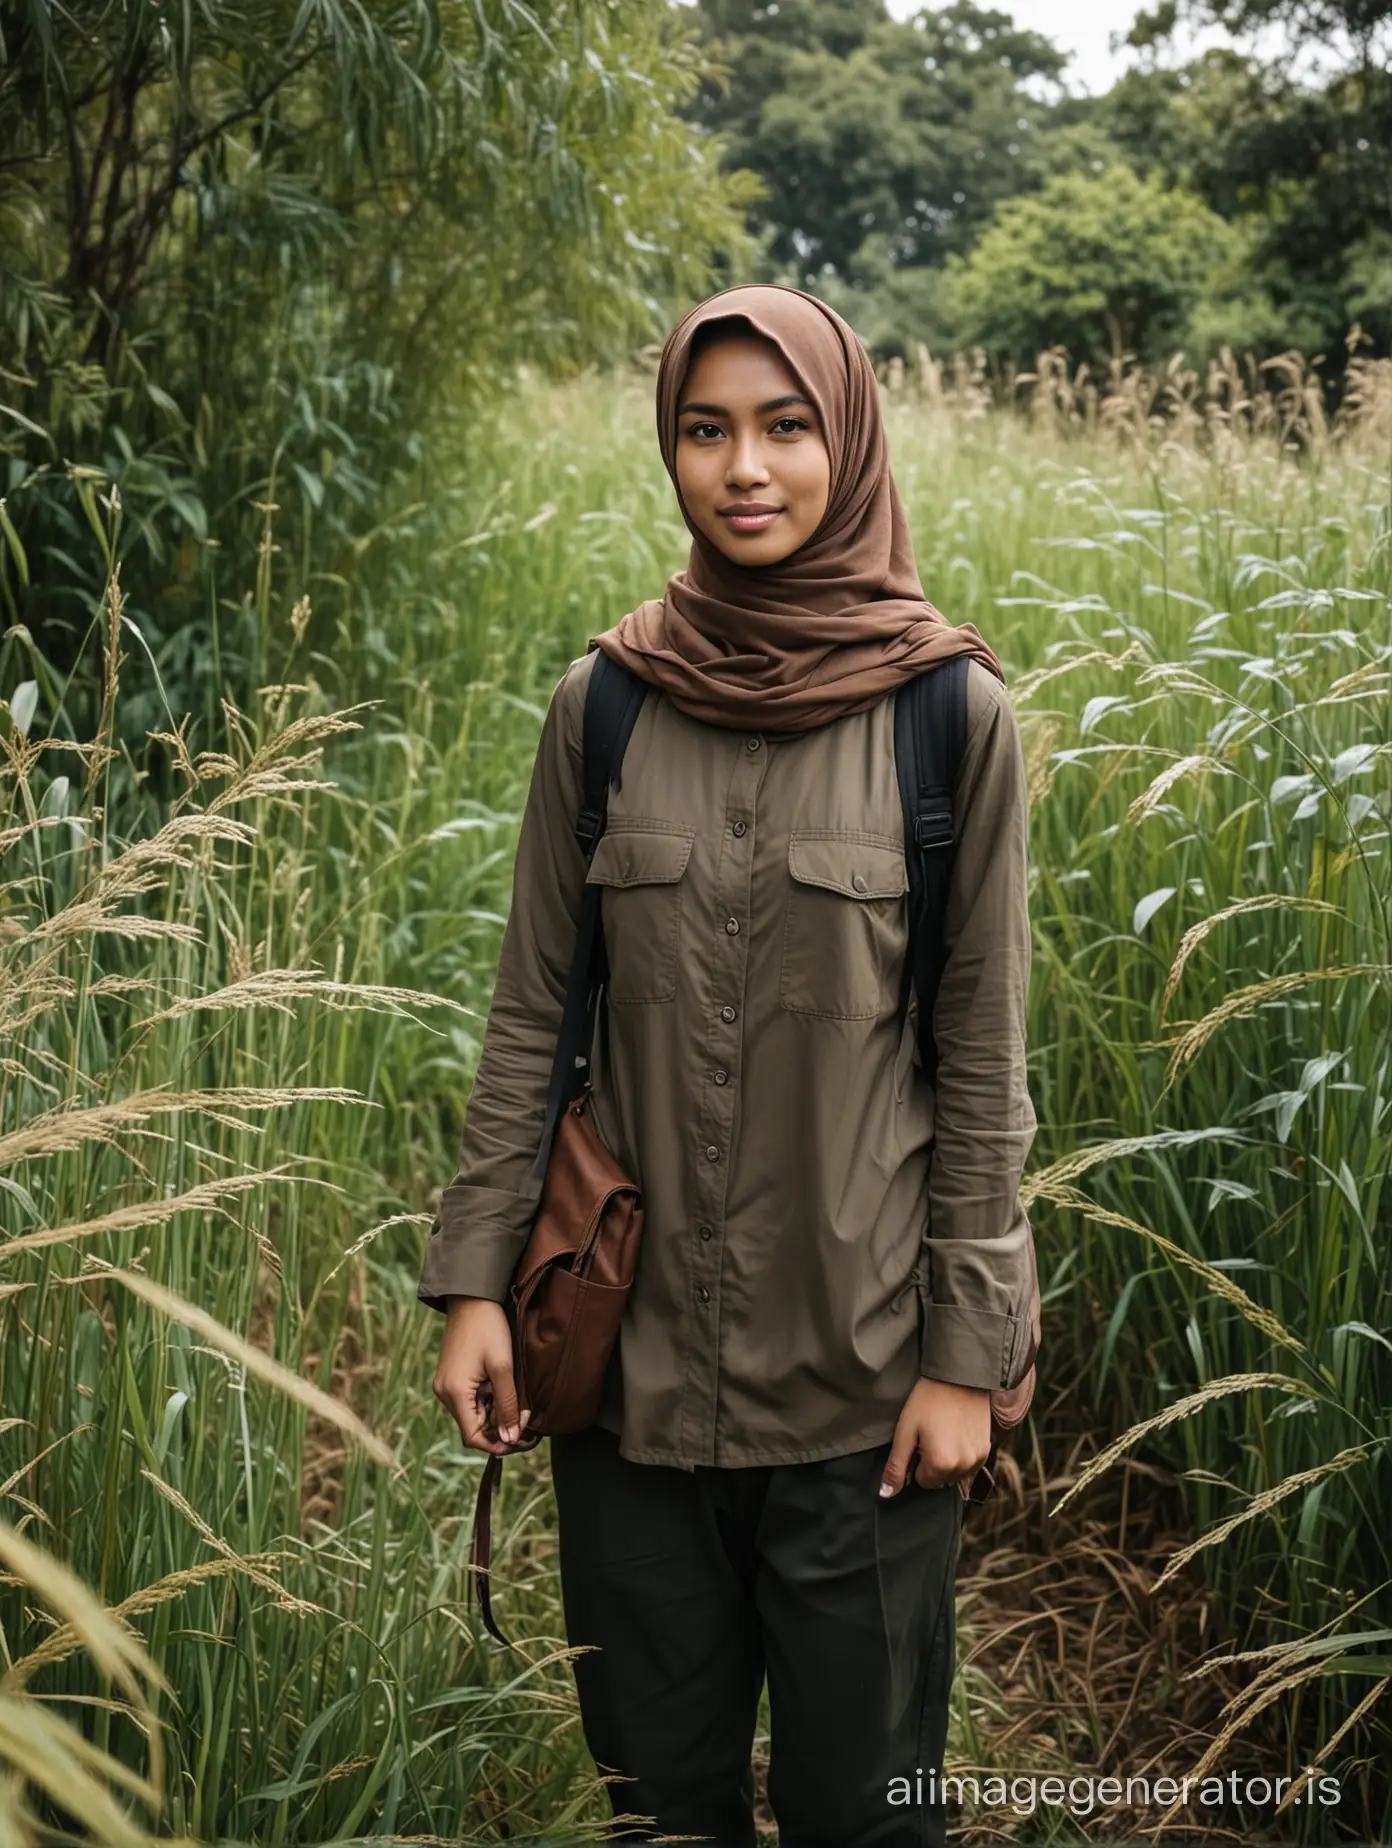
{"x": 641, "y": 864}
{"x": 846, "y": 928}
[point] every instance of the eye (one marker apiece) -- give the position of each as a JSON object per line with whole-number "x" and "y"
{"x": 798, "y": 423}
{"x": 696, "y": 428}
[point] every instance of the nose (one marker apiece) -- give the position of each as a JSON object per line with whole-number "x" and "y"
{"x": 746, "y": 467}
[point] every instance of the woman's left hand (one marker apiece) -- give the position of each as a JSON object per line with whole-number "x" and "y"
{"x": 949, "y": 1426}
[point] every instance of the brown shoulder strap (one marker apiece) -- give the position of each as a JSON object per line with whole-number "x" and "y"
{"x": 480, "y": 1553}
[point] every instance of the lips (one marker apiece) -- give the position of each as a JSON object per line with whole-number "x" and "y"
{"x": 750, "y": 519}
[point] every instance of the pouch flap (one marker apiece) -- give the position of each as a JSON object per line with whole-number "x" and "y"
{"x": 848, "y": 864}
{"x": 639, "y": 856}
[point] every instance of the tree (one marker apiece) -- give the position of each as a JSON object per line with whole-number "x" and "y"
{"x": 1311, "y": 20}
{"x": 1094, "y": 264}
{"x": 1305, "y": 170}
{"x": 257, "y": 248}
{"x": 880, "y": 142}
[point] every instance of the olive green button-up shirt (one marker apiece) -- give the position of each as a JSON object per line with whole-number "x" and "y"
{"x": 822, "y": 1226}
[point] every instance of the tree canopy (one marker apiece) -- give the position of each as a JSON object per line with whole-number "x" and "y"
{"x": 874, "y": 137}
{"x": 903, "y": 156}
{"x": 1094, "y": 263}
{"x": 274, "y": 235}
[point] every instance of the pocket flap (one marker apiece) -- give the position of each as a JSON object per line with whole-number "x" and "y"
{"x": 844, "y": 863}
{"x": 639, "y": 856}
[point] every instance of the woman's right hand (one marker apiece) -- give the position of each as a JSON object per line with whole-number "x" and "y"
{"x": 474, "y": 1378}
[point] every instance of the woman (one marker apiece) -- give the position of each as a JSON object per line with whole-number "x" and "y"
{"x": 835, "y": 1268}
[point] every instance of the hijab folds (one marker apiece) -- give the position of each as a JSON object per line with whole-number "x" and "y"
{"x": 837, "y": 624}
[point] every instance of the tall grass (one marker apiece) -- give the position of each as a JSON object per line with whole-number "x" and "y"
{"x": 1190, "y": 580}
{"x": 283, "y": 975}
{"x": 259, "y": 1602}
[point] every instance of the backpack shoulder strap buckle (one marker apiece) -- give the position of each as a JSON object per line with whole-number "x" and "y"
{"x": 932, "y": 822}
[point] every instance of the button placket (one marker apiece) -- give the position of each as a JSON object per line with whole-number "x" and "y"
{"x": 715, "y": 1130}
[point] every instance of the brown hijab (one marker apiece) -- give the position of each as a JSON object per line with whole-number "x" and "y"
{"x": 837, "y": 624}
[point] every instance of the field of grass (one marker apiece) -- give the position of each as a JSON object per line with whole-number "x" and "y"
{"x": 243, "y": 978}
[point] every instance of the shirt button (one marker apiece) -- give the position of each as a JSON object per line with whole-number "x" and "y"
{"x": 751, "y": 744}
{"x": 705, "y": 1231}
{"x": 859, "y": 882}
{"x": 727, "y": 1012}
{"x": 704, "y": 1294}
{"x": 712, "y": 1152}
{"x": 732, "y": 926}
{"x": 738, "y": 828}
{"x": 722, "y": 1077}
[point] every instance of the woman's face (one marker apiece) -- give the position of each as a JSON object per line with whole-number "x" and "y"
{"x": 752, "y": 462}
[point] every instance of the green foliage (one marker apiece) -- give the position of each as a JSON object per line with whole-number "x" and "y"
{"x": 1320, "y": 20}
{"x": 878, "y": 140}
{"x": 1368, "y": 281}
{"x": 1111, "y": 263}
{"x": 1196, "y": 636}
{"x": 253, "y": 256}
{"x": 1300, "y": 171}
{"x": 887, "y": 148}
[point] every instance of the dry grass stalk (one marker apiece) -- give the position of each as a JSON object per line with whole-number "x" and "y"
{"x": 1039, "y": 772}
{"x": 249, "y": 1564}
{"x": 102, "y": 751}
{"x": 1182, "y": 1408}
{"x": 1253, "y": 1707}
{"x": 1260, "y": 1503}
{"x": 1041, "y": 1182}
{"x": 1155, "y": 792}
{"x": 361, "y": 1243}
{"x": 11, "y": 837}
{"x": 13, "y": 1480}
{"x": 1364, "y": 1707}
{"x": 59, "y": 1131}
{"x": 111, "y": 1646}
{"x": 93, "y": 916}
{"x": 253, "y": 1359}
{"x": 280, "y": 770}
{"x": 1218, "y": 1281}
{"x": 1244, "y": 1001}
{"x": 54, "y": 1755}
{"x": 206, "y": 1197}
{"x": 65, "y": 1641}
{"x": 1196, "y": 933}
{"x": 1027, "y": 685}
{"x": 279, "y": 988}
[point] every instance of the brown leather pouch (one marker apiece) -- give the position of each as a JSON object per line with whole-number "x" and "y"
{"x": 565, "y": 1303}
{"x": 573, "y": 1280}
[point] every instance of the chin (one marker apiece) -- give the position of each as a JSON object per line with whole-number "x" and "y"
{"x": 753, "y": 553}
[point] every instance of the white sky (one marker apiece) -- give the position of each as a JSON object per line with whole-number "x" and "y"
{"x": 1085, "y": 28}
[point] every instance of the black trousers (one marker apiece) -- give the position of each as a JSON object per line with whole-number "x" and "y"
{"x": 691, "y": 1586}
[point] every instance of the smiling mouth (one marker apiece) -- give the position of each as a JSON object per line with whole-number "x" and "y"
{"x": 750, "y": 522}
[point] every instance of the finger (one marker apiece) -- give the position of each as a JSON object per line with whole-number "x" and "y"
{"x": 504, "y": 1398}
{"x": 927, "y": 1477}
{"x": 471, "y": 1415}
{"x": 896, "y": 1468}
{"x": 493, "y": 1447}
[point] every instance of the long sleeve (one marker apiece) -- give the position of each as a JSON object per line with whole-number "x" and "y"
{"x": 486, "y": 1211}
{"x": 977, "y": 1244}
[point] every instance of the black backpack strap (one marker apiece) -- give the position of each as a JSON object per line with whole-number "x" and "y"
{"x": 612, "y": 702}
{"x": 930, "y": 735}
{"x": 613, "y": 699}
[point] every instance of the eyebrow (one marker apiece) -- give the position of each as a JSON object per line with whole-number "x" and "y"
{"x": 774, "y": 404}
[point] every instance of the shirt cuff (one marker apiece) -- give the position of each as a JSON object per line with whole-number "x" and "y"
{"x": 969, "y": 1347}
{"x": 477, "y": 1263}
